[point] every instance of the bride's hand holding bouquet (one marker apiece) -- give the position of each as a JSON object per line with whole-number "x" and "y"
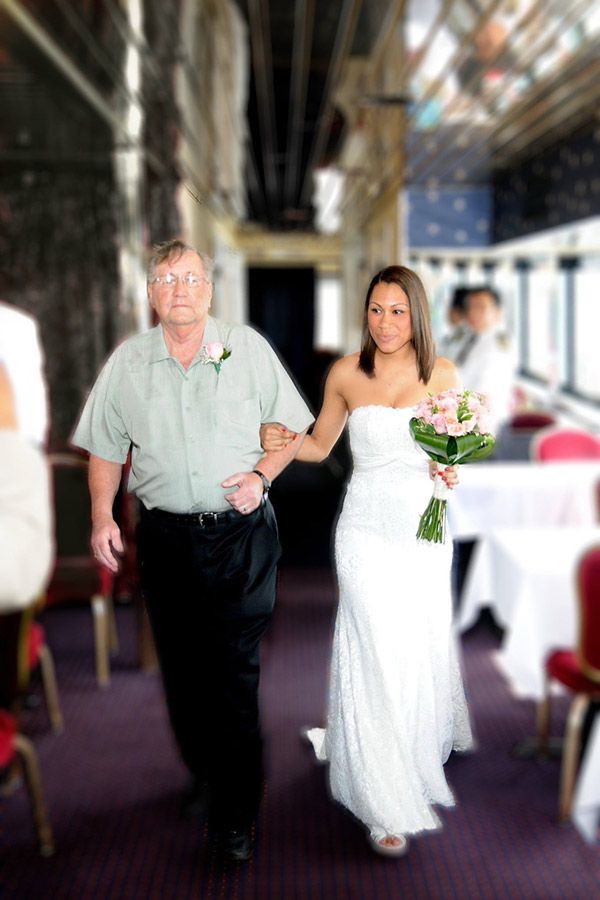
{"x": 451, "y": 427}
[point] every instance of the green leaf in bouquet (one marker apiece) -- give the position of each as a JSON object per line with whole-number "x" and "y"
{"x": 471, "y": 446}
{"x": 488, "y": 444}
{"x": 435, "y": 445}
{"x": 448, "y": 449}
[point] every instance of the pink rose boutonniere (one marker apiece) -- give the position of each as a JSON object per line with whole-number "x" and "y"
{"x": 451, "y": 427}
{"x": 215, "y": 352}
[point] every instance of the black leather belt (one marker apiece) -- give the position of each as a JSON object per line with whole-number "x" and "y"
{"x": 203, "y": 519}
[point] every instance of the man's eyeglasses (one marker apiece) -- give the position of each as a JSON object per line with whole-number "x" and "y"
{"x": 170, "y": 279}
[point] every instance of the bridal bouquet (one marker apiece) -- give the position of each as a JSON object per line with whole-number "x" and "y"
{"x": 451, "y": 427}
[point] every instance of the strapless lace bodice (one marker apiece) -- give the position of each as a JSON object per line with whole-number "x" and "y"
{"x": 380, "y": 436}
{"x": 396, "y": 703}
{"x": 390, "y": 483}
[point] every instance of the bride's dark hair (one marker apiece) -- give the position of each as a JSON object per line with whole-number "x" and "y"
{"x": 421, "y": 339}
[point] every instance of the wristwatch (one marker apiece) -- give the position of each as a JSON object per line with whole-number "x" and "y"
{"x": 265, "y": 481}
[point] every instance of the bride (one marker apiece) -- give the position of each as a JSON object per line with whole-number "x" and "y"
{"x": 396, "y": 704}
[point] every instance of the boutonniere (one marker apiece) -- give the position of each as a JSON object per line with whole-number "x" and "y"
{"x": 215, "y": 352}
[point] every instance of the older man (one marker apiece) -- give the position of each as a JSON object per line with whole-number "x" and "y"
{"x": 187, "y": 398}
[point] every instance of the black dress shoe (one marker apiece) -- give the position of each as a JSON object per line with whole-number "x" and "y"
{"x": 236, "y": 843}
{"x": 194, "y": 800}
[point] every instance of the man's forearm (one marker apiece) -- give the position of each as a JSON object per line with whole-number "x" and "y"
{"x": 274, "y": 461}
{"x": 104, "y": 479}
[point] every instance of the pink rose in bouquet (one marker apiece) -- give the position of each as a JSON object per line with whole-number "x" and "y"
{"x": 451, "y": 427}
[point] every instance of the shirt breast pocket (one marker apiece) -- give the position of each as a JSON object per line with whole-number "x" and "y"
{"x": 239, "y": 423}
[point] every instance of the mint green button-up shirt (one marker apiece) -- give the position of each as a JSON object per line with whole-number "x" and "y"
{"x": 188, "y": 430}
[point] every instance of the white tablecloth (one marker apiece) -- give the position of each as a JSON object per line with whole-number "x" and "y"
{"x": 586, "y": 801}
{"x": 499, "y": 495}
{"x": 527, "y": 577}
{"x": 533, "y": 522}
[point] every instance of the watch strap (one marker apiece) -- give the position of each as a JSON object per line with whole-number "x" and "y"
{"x": 265, "y": 481}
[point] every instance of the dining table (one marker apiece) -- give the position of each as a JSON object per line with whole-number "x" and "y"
{"x": 526, "y": 576}
{"x": 526, "y": 493}
{"x": 586, "y": 799}
{"x": 531, "y": 523}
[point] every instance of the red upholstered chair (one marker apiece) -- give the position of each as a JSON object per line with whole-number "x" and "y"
{"x": 515, "y": 437}
{"x": 531, "y": 420}
{"x": 15, "y": 747}
{"x": 577, "y": 669}
{"x": 39, "y": 654}
{"x": 564, "y": 443}
{"x": 23, "y": 649}
{"x": 77, "y": 574}
{"x": 13, "y": 744}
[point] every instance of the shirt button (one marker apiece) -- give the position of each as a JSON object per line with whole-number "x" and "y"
{"x": 188, "y": 409}
{"x": 195, "y": 474}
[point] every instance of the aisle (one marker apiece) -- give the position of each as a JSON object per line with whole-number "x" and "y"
{"x": 113, "y": 779}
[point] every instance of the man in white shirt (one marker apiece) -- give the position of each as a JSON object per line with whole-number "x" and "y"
{"x": 451, "y": 342}
{"x": 21, "y": 355}
{"x": 486, "y": 360}
{"x": 486, "y": 363}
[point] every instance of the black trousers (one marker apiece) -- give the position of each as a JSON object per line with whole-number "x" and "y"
{"x": 210, "y": 593}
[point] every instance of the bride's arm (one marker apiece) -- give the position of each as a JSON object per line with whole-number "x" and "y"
{"x": 327, "y": 429}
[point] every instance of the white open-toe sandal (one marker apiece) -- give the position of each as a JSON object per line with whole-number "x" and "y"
{"x": 385, "y": 849}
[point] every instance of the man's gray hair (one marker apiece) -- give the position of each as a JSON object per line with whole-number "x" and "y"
{"x": 174, "y": 249}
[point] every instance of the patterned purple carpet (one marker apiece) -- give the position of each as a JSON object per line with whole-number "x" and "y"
{"x": 113, "y": 779}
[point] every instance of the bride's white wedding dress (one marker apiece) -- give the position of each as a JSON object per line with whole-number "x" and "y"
{"x": 396, "y": 701}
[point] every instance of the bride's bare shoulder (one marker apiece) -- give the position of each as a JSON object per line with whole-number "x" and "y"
{"x": 443, "y": 376}
{"x": 343, "y": 377}
{"x": 345, "y": 367}
{"x": 443, "y": 367}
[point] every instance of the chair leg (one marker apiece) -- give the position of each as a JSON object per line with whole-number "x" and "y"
{"x": 571, "y": 753}
{"x": 13, "y": 778}
{"x": 543, "y": 719}
{"x": 113, "y": 637}
{"x": 50, "y": 689}
{"x": 32, "y": 775}
{"x": 101, "y": 640}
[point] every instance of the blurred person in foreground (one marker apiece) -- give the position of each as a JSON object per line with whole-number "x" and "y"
{"x": 25, "y": 520}
{"x": 188, "y": 398}
{"x": 396, "y": 705}
{"x": 21, "y": 354}
{"x": 486, "y": 360}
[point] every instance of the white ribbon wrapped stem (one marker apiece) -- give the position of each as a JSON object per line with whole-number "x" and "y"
{"x": 440, "y": 488}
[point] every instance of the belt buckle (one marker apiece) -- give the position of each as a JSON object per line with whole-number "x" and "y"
{"x": 203, "y": 516}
